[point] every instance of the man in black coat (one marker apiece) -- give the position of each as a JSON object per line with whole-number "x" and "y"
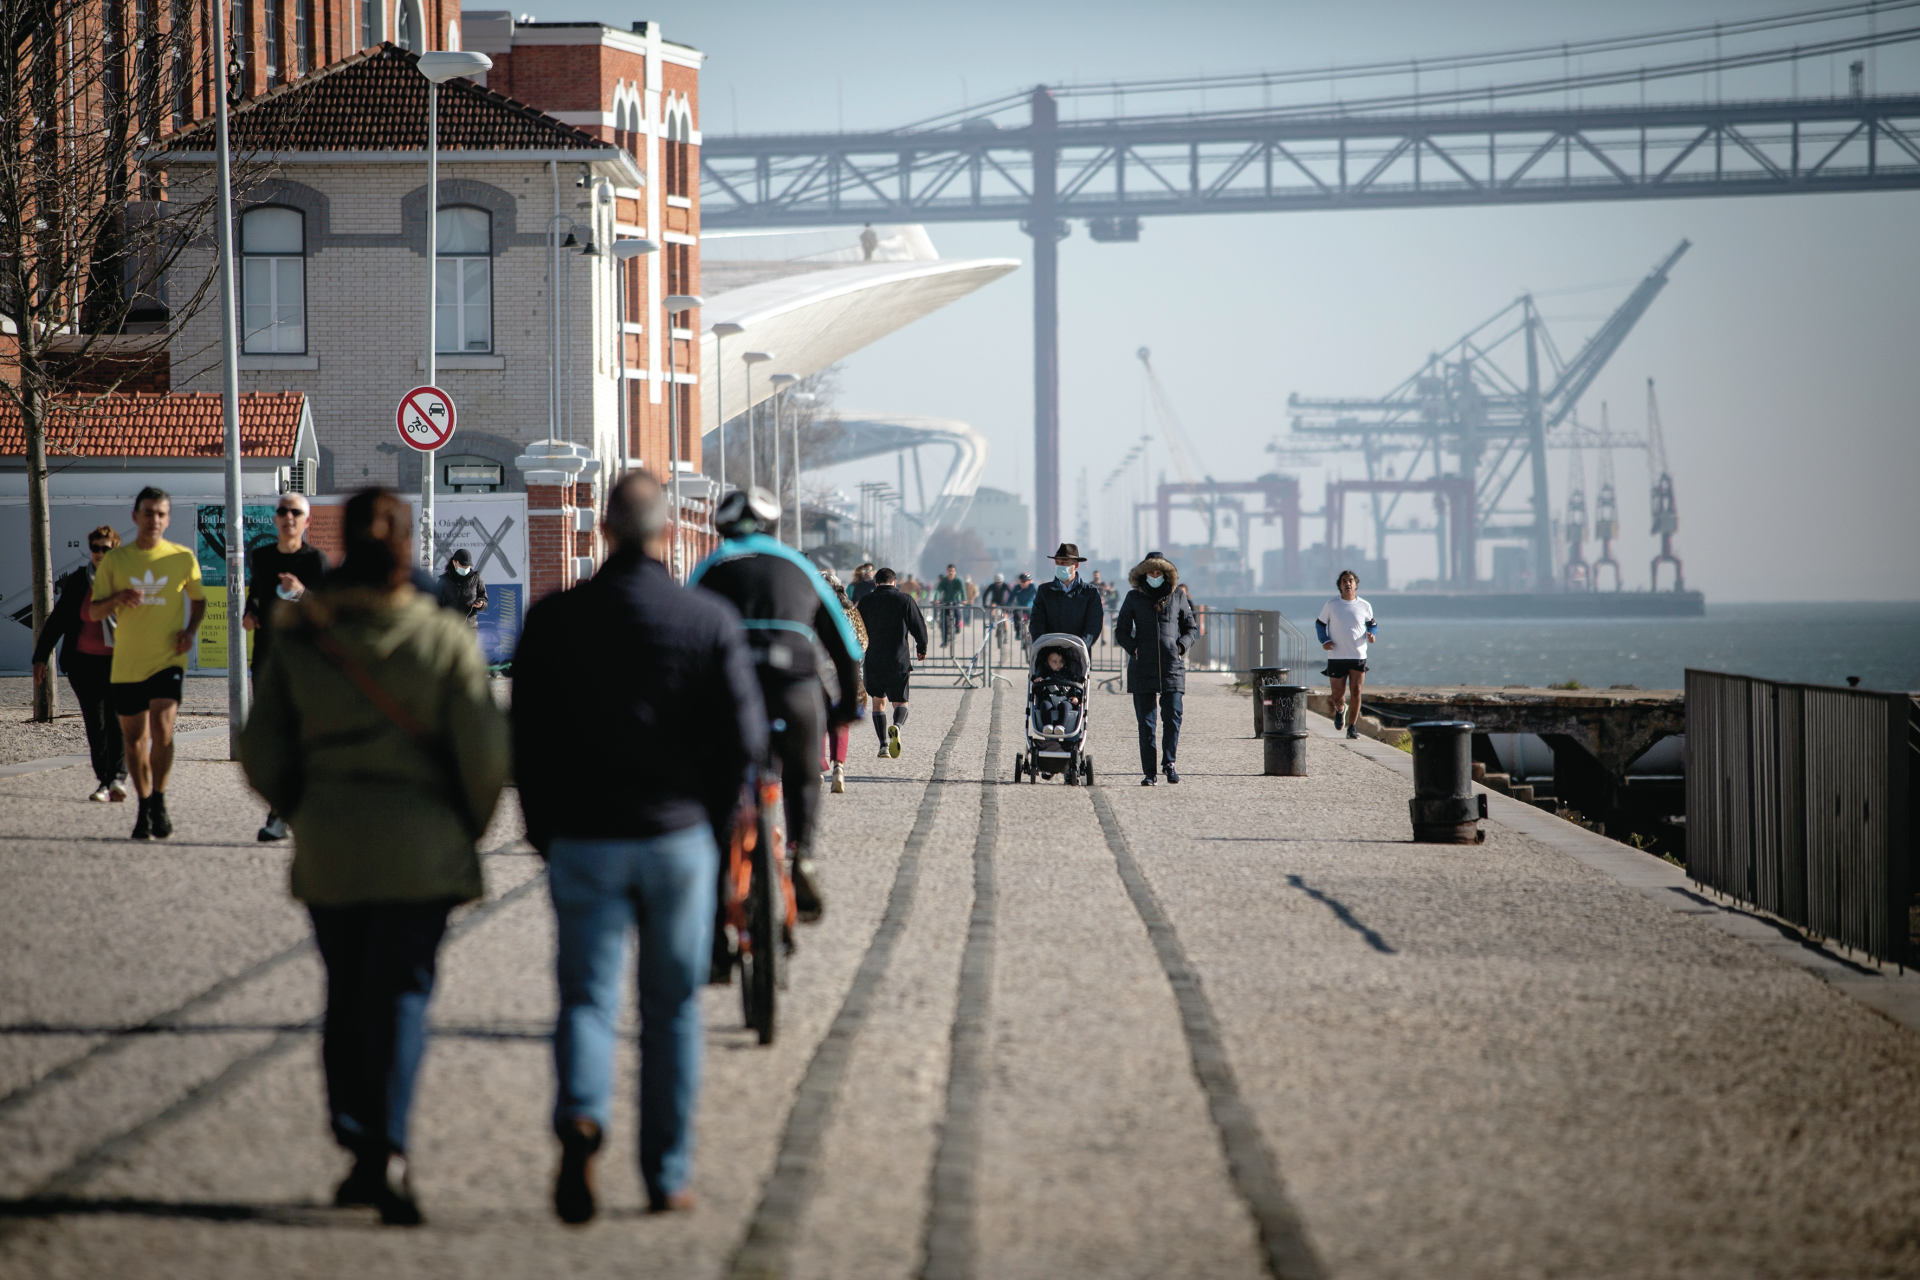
{"x": 1156, "y": 626}
{"x": 896, "y": 635}
{"x": 1066, "y": 605}
{"x": 629, "y": 791}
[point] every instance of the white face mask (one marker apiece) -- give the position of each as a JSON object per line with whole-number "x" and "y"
{"x": 1154, "y": 580}
{"x": 1062, "y": 572}
{"x": 462, "y": 570}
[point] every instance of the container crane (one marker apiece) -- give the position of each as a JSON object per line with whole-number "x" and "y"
{"x": 1606, "y": 510}
{"x": 1179, "y": 446}
{"x": 1666, "y": 512}
{"x": 1576, "y": 575}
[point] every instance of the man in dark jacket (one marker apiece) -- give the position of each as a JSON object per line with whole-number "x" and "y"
{"x": 1067, "y": 605}
{"x": 1156, "y": 627}
{"x": 86, "y": 660}
{"x": 624, "y": 790}
{"x": 896, "y": 632}
{"x": 461, "y": 589}
{"x": 279, "y": 572}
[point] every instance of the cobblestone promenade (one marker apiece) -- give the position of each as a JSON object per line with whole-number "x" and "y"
{"x": 1233, "y": 1028}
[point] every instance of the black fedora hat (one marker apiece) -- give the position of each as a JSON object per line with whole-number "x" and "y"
{"x": 1069, "y": 551}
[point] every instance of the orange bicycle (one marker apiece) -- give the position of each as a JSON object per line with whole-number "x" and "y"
{"x": 758, "y": 893}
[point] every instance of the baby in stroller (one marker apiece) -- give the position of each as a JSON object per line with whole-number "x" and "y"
{"x": 1056, "y": 690}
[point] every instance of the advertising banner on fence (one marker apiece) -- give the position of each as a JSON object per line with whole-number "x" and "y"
{"x": 493, "y": 529}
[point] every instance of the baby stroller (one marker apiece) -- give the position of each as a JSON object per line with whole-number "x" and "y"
{"x": 1057, "y": 714}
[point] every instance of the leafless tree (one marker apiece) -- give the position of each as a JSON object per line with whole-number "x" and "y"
{"x": 817, "y": 420}
{"x": 89, "y": 236}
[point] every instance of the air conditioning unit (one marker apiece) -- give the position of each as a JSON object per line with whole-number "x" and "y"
{"x": 302, "y": 477}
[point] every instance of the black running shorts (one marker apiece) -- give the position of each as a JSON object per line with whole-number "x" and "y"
{"x": 894, "y": 691}
{"x": 132, "y": 699}
{"x": 1340, "y": 668}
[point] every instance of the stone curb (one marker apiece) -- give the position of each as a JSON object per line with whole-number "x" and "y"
{"x": 67, "y": 762}
{"x": 1893, "y": 995}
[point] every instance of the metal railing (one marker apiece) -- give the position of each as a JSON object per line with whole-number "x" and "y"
{"x": 1799, "y": 801}
{"x": 1242, "y": 639}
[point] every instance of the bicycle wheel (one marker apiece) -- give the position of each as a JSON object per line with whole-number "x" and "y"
{"x": 765, "y": 909}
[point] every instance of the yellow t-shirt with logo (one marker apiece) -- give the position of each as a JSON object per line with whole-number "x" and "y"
{"x": 167, "y": 577}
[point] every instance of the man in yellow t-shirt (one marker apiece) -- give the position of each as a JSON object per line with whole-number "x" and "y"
{"x": 151, "y": 589}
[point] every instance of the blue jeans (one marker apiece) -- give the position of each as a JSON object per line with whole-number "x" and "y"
{"x": 380, "y": 959}
{"x": 1143, "y": 711}
{"x": 665, "y": 885}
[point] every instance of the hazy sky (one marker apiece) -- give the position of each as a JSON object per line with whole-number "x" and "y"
{"x": 1784, "y": 348}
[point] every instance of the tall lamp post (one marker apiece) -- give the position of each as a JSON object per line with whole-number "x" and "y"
{"x": 793, "y": 418}
{"x": 750, "y": 359}
{"x": 437, "y": 67}
{"x": 781, "y": 383}
{"x": 230, "y": 398}
{"x": 721, "y": 332}
{"x": 625, "y": 251}
{"x": 676, "y": 304}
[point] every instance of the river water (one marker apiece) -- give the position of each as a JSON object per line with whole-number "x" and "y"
{"x": 1815, "y": 643}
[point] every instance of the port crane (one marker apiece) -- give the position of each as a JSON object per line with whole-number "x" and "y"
{"x": 1576, "y": 575}
{"x": 1606, "y": 513}
{"x": 1666, "y": 512}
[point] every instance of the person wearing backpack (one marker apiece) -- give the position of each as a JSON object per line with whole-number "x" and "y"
{"x": 375, "y": 736}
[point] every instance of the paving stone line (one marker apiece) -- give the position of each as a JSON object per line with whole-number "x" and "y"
{"x": 763, "y": 1251}
{"x": 67, "y": 762}
{"x": 950, "y": 1201}
{"x": 1284, "y": 1246}
{"x": 63, "y": 1185}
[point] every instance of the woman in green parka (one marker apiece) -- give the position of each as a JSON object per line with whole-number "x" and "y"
{"x": 374, "y": 734}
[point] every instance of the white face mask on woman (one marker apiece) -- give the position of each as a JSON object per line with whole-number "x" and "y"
{"x": 1154, "y": 580}
{"x": 462, "y": 570}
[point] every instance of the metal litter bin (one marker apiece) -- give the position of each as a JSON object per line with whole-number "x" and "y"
{"x": 1444, "y": 808}
{"x": 1263, "y": 678}
{"x": 1283, "y": 741}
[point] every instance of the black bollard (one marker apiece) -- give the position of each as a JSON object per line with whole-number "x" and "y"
{"x": 1262, "y": 677}
{"x": 1284, "y": 740}
{"x": 1444, "y": 807}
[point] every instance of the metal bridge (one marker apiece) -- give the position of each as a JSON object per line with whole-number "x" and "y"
{"x": 1390, "y": 151}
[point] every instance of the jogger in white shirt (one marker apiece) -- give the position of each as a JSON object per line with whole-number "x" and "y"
{"x": 1346, "y": 628}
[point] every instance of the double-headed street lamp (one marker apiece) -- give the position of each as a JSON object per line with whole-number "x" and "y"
{"x": 722, "y": 331}
{"x": 782, "y": 381}
{"x": 438, "y": 67}
{"x": 750, "y": 359}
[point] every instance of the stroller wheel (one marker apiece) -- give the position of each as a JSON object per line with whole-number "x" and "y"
{"x": 1017, "y": 761}
{"x": 1086, "y": 770}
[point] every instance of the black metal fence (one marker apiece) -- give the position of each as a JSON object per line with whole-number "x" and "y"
{"x": 1242, "y": 639}
{"x": 1800, "y": 801}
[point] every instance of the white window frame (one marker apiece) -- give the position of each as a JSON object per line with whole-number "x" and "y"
{"x": 270, "y": 340}
{"x": 450, "y": 339}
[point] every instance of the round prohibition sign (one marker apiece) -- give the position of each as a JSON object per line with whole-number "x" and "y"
{"x": 425, "y": 418}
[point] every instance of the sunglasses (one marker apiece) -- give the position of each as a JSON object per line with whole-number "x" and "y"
{"x": 100, "y": 547}
{"x": 291, "y": 511}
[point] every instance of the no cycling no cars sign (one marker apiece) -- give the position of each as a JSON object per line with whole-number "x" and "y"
{"x": 425, "y": 418}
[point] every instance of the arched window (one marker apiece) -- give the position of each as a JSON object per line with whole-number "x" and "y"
{"x": 373, "y": 23}
{"x": 273, "y": 245}
{"x": 463, "y": 281}
{"x": 404, "y": 26}
{"x": 453, "y": 35}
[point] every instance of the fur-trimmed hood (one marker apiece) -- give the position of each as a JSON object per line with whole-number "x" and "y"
{"x": 1138, "y": 575}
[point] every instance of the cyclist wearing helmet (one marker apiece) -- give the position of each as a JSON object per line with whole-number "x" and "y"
{"x": 786, "y": 608}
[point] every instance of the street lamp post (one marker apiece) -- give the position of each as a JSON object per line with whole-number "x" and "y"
{"x": 437, "y": 67}
{"x": 676, "y": 304}
{"x": 793, "y": 418}
{"x": 230, "y": 397}
{"x": 725, "y": 329}
{"x": 625, "y": 251}
{"x": 781, "y": 384}
{"x": 750, "y": 359}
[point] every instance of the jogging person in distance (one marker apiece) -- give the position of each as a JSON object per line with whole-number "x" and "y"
{"x": 279, "y": 572}
{"x": 86, "y": 659}
{"x": 948, "y": 592}
{"x": 1346, "y": 628}
{"x": 1067, "y": 605}
{"x": 151, "y": 589}
{"x": 896, "y": 634}
{"x": 785, "y": 607}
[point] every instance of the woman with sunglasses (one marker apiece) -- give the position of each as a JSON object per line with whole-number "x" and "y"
{"x": 86, "y": 660}
{"x": 279, "y": 570}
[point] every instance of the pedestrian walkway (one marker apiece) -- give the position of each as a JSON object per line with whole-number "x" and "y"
{"x": 1237, "y": 1027}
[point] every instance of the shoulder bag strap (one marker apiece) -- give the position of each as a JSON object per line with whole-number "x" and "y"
{"x": 376, "y": 694}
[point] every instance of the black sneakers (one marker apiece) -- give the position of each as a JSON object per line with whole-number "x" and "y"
{"x": 143, "y": 824}
{"x": 806, "y": 891}
{"x": 157, "y": 817}
{"x": 1339, "y": 717}
{"x": 573, "y": 1196}
{"x": 1173, "y": 774}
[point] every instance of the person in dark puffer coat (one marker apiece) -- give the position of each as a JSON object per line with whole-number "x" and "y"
{"x": 1156, "y": 627}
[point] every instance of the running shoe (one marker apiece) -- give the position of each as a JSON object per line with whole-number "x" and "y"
{"x": 1173, "y": 774}
{"x": 1353, "y": 731}
{"x": 884, "y": 752}
{"x": 807, "y": 902}
{"x": 573, "y": 1196}
{"x": 1149, "y": 781}
{"x": 274, "y": 828}
{"x": 839, "y": 779}
{"x": 893, "y": 741}
{"x": 1339, "y": 719}
{"x": 142, "y": 825}
{"x": 101, "y": 796}
{"x": 157, "y": 816}
{"x": 117, "y": 790}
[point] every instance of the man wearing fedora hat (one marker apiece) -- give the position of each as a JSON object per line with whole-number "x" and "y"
{"x": 1067, "y": 605}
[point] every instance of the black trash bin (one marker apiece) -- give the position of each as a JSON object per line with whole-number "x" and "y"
{"x": 1444, "y": 807}
{"x": 1263, "y": 678}
{"x": 1283, "y": 742}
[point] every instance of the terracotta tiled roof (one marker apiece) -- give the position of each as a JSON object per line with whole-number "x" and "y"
{"x": 180, "y": 424}
{"x": 377, "y": 101}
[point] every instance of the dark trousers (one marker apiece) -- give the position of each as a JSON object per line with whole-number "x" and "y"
{"x": 1143, "y": 711}
{"x": 90, "y": 675}
{"x": 797, "y": 719}
{"x": 380, "y": 966}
